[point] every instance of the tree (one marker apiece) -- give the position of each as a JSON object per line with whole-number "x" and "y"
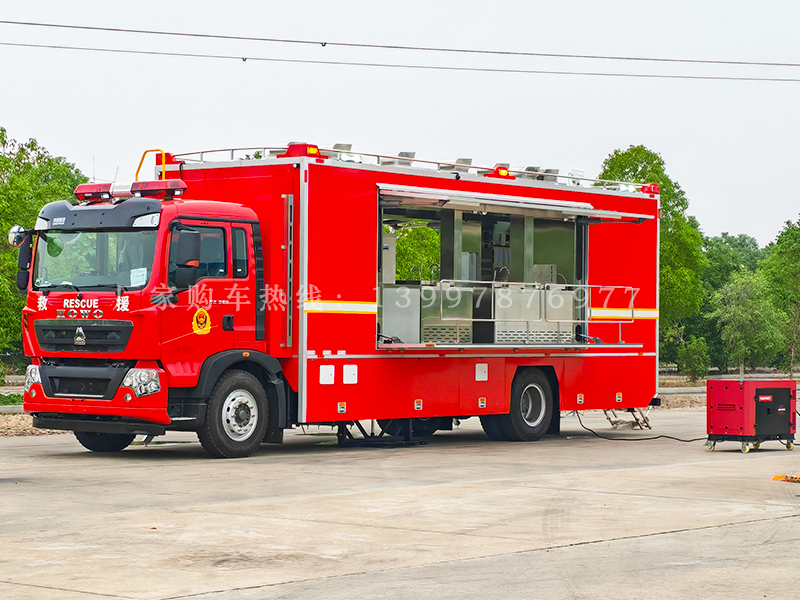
{"x": 782, "y": 270}
{"x": 693, "y": 358}
{"x": 725, "y": 255}
{"x": 682, "y": 259}
{"x": 29, "y": 178}
{"x": 418, "y": 250}
{"x": 750, "y": 325}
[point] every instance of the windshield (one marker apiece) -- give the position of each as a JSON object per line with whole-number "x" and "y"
{"x": 90, "y": 259}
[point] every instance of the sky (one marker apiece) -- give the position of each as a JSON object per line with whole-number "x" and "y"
{"x": 732, "y": 145}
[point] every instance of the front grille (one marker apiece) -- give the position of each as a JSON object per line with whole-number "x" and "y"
{"x": 82, "y": 378}
{"x": 59, "y": 335}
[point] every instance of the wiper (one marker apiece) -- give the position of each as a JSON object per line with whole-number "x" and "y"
{"x": 59, "y": 285}
{"x": 110, "y": 286}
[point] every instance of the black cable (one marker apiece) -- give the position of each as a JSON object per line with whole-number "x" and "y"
{"x": 667, "y": 437}
{"x": 399, "y": 47}
{"x": 399, "y": 66}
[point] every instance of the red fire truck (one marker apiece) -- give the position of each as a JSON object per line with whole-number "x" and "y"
{"x": 242, "y": 296}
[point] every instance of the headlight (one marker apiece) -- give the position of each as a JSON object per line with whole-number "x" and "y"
{"x": 32, "y": 376}
{"x": 143, "y": 382}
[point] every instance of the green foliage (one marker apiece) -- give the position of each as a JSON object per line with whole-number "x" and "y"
{"x": 682, "y": 259}
{"x": 693, "y": 358}
{"x": 29, "y": 178}
{"x": 750, "y": 325}
{"x": 10, "y": 399}
{"x": 782, "y": 270}
{"x": 727, "y": 254}
{"x": 417, "y": 247}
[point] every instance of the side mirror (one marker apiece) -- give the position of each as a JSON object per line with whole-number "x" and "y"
{"x": 185, "y": 277}
{"x": 187, "y": 254}
{"x": 22, "y": 281}
{"x": 25, "y": 252}
{"x": 16, "y": 235}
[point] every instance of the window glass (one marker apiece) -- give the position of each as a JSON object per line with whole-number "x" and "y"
{"x": 94, "y": 259}
{"x": 213, "y": 254}
{"x": 240, "y": 270}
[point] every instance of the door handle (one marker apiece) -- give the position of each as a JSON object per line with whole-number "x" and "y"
{"x": 227, "y": 323}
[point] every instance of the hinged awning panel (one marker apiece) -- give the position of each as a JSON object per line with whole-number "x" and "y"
{"x": 407, "y": 195}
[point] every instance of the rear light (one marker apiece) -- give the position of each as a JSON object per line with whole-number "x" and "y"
{"x": 163, "y": 188}
{"x": 93, "y": 191}
{"x": 650, "y": 188}
{"x": 302, "y": 150}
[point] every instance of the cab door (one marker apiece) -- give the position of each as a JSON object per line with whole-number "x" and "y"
{"x": 198, "y": 322}
{"x": 244, "y": 296}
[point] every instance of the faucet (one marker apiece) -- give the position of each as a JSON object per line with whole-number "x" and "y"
{"x": 434, "y": 272}
{"x": 500, "y": 270}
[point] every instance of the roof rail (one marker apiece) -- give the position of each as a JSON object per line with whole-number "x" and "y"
{"x": 343, "y": 152}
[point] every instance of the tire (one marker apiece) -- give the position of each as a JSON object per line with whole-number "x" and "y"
{"x": 104, "y": 442}
{"x": 494, "y": 428}
{"x": 236, "y": 418}
{"x": 531, "y": 407}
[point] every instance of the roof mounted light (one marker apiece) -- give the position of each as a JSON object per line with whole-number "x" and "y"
{"x": 500, "y": 172}
{"x": 650, "y": 188}
{"x": 162, "y": 188}
{"x": 302, "y": 150}
{"x": 93, "y": 191}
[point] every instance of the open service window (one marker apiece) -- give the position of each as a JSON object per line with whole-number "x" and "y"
{"x": 482, "y": 270}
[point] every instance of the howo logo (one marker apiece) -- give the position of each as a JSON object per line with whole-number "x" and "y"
{"x": 80, "y": 308}
{"x": 74, "y": 313}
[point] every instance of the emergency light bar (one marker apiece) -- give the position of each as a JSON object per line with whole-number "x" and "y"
{"x": 162, "y": 188}
{"x": 150, "y": 189}
{"x": 93, "y": 191}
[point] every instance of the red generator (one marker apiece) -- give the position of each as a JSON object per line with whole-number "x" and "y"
{"x": 751, "y": 412}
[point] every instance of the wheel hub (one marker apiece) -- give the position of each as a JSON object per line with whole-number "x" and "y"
{"x": 532, "y": 405}
{"x": 239, "y": 415}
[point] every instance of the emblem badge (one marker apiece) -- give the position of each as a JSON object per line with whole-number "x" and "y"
{"x": 201, "y": 322}
{"x": 80, "y": 337}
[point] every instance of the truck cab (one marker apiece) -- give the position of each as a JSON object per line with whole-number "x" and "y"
{"x": 130, "y": 293}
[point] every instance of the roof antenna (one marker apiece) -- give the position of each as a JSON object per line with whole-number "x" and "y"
{"x": 93, "y": 177}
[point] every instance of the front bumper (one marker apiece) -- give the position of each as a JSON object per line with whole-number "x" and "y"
{"x": 96, "y": 424}
{"x": 118, "y": 404}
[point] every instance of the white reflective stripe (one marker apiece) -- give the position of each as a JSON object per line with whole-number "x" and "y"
{"x": 325, "y": 306}
{"x": 623, "y": 313}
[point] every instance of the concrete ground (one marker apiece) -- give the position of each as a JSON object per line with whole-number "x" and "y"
{"x": 462, "y": 517}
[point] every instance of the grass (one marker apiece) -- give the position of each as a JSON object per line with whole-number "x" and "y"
{"x": 10, "y": 399}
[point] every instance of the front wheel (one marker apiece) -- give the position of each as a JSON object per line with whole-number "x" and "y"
{"x": 236, "y": 417}
{"x": 531, "y": 407}
{"x": 104, "y": 442}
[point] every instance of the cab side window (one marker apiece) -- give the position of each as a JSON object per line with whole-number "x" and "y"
{"x": 213, "y": 253}
{"x": 240, "y": 269}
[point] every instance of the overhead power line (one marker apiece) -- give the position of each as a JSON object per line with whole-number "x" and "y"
{"x": 400, "y": 47}
{"x": 396, "y": 65}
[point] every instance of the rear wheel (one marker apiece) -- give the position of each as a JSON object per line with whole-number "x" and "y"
{"x": 236, "y": 417}
{"x": 531, "y": 407}
{"x": 104, "y": 442}
{"x": 494, "y": 428}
